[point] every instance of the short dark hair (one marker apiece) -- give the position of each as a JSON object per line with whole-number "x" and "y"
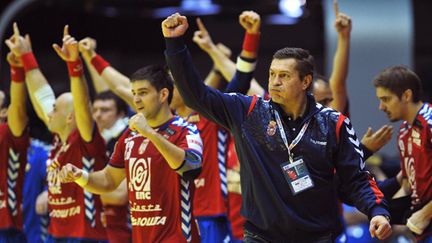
{"x": 304, "y": 60}
{"x": 157, "y": 76}
{"x": 398, "y": 79}
{"x": 120, "y": 104}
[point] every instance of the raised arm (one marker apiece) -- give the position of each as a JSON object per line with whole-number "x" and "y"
{"x": 17, "y": 114}
{"x": 40, "y": 92}
{"x": 339, "y": 73}
{"x": 85, "y": 45}
{"x": 118, "y": 83}
{"x": 81, "y": 101}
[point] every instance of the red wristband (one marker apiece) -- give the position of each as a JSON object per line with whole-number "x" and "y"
{"x": 251, "y": 42}
{"x": 29, "y": 61}
{"x": 99, "y": 63}
{"x": 17, "y": 74}
{"x": 75, "y": 68}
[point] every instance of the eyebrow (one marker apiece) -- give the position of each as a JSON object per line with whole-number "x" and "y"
{"x": 140, "y": 89}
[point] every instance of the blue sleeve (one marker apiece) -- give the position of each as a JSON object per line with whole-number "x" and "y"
{"x": 357, "y": 183}
{"x": 227, "y": 110}
{"x": 389, "y": 187}
{"x": 240, "y": 83}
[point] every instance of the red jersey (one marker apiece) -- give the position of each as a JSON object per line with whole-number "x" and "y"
{"x": 234, "y": 196}
{"x": 415, "y": 146}
{"x": 211, "y": 191}
{"x": 160, "y": 199}
{"x": 75, "y": 212}
{"x": 13, "y": 159}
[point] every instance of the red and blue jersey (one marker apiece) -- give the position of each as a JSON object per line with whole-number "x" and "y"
{"x": 75, "y": 212}
{"x": 415, "y": 146}
{"x": 211, "y": 191}
{"x": 13, "y": 159}
{"x": 160, "y": 199}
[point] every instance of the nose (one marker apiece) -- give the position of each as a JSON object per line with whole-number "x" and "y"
{"x": 381, "y": 106}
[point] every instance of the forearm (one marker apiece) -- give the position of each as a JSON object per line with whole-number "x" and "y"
{"x": 117, "y": 197}
{"x": 17, "y": 114}
{"x": 41, "y": 93}
{"x": 118, "y": 84}
{"x": 339, "y": 74}
{"x": 214, "y": 79}
{"x": 172, "y": 154}
{"x": 100, "y": 182}
{"x": 81, "y": 103}
{"x": 222, "y": 63}
{"x": 98, "y": 82}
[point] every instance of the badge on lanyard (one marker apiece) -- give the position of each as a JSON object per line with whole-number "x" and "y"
{"x": 294, "y": 170}
{"x": 297, "y": 175}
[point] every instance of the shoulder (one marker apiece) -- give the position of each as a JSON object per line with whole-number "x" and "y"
{"x": 426, "y": 114}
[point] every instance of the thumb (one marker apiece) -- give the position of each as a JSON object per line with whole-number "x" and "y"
{"x": 372, "y": 229}
{"x": 369, "y": 132}
{"x": 58, "y": 49}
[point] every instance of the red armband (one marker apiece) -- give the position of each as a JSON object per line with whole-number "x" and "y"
{"x": 99, "y": 63}
{"x": 17, "y": 74}
{"x": 29, "y": 61}
{"x": 75, "y": 68}
{"x": 251, "y": 42}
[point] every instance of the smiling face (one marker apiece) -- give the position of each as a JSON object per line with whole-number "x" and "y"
{"x": 148, "y": 101}
{"x": 285, "y": 84}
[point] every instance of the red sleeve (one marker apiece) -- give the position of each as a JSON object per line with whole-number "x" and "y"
{"x": 117, "y": 157}
{"x": 189, "y": 139}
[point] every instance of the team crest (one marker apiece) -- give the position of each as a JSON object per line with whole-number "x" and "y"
{"x": 271, "y": 128}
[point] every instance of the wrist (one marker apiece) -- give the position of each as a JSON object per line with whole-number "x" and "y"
{"x": 17, "y": 74}
{"x": 29, "y": 61}
{"x": 75, "y": 68}
{"x": 251, "y": 42}
{"x": 83, "y": 179}
{"x": 99, "y": 63}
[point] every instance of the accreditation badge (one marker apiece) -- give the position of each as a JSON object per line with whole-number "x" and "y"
{"x": 297, "y": 175}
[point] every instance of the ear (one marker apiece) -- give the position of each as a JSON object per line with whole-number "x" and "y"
{"x": 70, "y": 118}
{"x": 307, "y": 82}
{"x": 163, "y": 95}
{"x": 407, "y": 95}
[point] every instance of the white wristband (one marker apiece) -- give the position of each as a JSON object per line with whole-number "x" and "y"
{"x": 414, "y": 228}
{"x": 83, "y": 180}
{"x": 245, "y": 66}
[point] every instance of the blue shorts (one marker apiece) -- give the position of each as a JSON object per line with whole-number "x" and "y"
{"x": 12, "y": 236}
{"x": 214, "y": 229}
{"x": 51, "y": 239}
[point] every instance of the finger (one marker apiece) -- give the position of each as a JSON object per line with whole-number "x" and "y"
{"x": 9, "y": 43}
{"x": 28, "y": 40}
{"x": 385, "y": 232}
{"x": 16, "y": 31}
{"x": 336, "y": 7}
{"x": 58, "y": 49}
{"x": 201, "y": 26}
{"x": 372, "y": 229}
{"x": 66, "y": 30}
{"x": 369, "y": 132}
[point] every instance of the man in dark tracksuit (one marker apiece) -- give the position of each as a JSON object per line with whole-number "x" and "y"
{"x": 289, "y": 148}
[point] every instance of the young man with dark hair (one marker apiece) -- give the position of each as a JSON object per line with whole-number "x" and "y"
{"x": 399, "y": 92}
{"x": 159, "y": 155}
{"x": 288, "y": 148}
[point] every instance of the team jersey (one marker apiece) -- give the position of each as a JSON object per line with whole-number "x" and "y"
{"x": 210, "y": 198}
{"x": 160, "y": 199}
{"x": 415, "y": 146}
{"x": 13, "y": 159}
{"x": 234, "y": 196}
{"x": 75, "y": 212}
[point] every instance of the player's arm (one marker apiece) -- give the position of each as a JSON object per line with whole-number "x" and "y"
{"x": 99, "y": 182}
{"x": 81, "y": 101}
{"x": 17, "y": 114}
{"x": 421, "y": 219}
{"x": 117, "y": 197}
{"x": 339, "y": 73}
{"x": 118, "y": 83}
{"x": 85, "y": 46}
{"x": 40, "y": 92}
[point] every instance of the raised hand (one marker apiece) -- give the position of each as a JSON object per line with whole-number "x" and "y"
{"x": 375, "y": 141}
{"x": 18, "y": 44}
{"x": 87, "y": 47}
{"x": 202, "y": 37}
{"x": 69, "y": 173}
{"x": 174, "y": 26}
{"x": 138, "y": 123}
{"x": 250, "y": 21}
{"x": 69, "y": 50}
{"x": 13, "y": 60}
{"x": 342, "y": 23}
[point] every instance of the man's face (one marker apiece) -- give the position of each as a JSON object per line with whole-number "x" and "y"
{"x": 390, "y": 103}
{"x": 105, "y": 113}
{"x": 177, "y": 100}
{"x": 284, "y": 81}
{"x": 57, "y": 118}
{"x": 322, "y": 93}
{"x": 148, "y": 101}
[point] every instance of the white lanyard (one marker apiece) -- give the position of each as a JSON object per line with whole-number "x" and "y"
{"x": 283, "y": 135}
